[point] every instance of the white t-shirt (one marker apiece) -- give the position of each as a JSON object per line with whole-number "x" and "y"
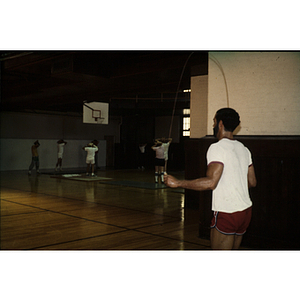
{"x": 159, "y": 152}
{"x": 166, "y": 150}
{"x": 232, "y": 192}
{"x": 60, "y": 148}
{"x": 142, "y": 148}
{"x": 90, "y": 152}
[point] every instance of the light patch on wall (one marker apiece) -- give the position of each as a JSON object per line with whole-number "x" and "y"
{"x": 262, "y": 86}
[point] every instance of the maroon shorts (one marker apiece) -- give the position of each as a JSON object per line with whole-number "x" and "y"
{"x": 232, "y": 223}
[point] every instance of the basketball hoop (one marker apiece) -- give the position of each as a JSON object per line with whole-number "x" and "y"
{"x": 97, "y": 116}
{"x": 95, "y": 113}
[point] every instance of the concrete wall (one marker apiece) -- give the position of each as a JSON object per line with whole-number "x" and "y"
{"x": 199, "y": 106}
{"x": 20, "y": 130}
{"x": 46, "y": 126}
{"x": 16, "y": 154}
{"x": 264, "y": 87}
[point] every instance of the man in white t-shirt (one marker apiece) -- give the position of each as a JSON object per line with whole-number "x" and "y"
{"x": 60, "y": 151}
{"x": 91, "y": 149}
{"x": 166, "y": 143}
{"x": 230, "y": 174}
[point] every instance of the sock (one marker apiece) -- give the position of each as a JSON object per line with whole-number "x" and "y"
{"x": 156, "y": 177}
{"x": 162, "y": 177}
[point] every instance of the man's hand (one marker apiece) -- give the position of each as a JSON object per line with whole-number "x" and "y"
{"x": 171, "y": 181}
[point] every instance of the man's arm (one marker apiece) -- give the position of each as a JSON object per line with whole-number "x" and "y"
{"x": 251, "y": 177}
{"x": 210, "y": 182}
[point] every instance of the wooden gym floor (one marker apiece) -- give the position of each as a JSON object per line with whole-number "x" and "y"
{"x": 40, "y": 212}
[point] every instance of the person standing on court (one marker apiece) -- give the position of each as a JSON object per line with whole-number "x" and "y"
{"x": 60, "y": 150}
{"x": 95, "y": 142}
{"x": 142, "y": 155}
{"x": 166, "y": 143}
{"x": 91, "y": 149}
{"x": 230, "y": 173}
{"x": 159, "y": 161}
{"x": 35, "y": 158}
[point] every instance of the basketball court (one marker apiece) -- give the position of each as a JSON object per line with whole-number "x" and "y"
{"x": 80, "y": 177}
{"x": 146, "y": 183}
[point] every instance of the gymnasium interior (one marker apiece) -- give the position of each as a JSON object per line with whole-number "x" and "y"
{"x": 150, "y": 95}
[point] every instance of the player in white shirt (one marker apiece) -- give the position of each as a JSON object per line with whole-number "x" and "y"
{"x": 60, "y": 151}
{"x": 166, "y": 144}
{"x": 91, "y": 149}
{"x": 230, "y": 174}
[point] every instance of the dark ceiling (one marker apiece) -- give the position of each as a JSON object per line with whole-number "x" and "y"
{"x": 60, "y": 81}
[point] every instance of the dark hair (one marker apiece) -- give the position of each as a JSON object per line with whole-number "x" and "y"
{"x": 229, "y": 117}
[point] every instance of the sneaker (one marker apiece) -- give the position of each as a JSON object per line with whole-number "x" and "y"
{"x": 94, "y": 175}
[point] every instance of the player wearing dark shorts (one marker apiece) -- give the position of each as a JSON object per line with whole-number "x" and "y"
{"x": 160, "y": 162}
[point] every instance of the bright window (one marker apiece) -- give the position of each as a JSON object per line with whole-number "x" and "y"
{"x": 186, "y": 122}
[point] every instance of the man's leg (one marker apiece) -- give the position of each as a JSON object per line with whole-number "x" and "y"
{"x": 156, "y": 174}
{"x": 37, "y": 165}
{"x": 220, "y": 241}
{"x": 237, "y": 242}
{"x": 31, "y": 166}
{"x": 161, "y": 173}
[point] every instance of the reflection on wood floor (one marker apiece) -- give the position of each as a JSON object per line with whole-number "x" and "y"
{"x": 39, "y": 212}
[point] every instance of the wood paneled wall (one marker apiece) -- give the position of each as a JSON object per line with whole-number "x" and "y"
{"x": 276, "y": 198}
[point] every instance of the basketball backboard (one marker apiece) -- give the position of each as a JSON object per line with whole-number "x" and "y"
{"x": 95, "y": 112}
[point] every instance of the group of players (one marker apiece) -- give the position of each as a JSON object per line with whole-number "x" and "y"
{"x": 91, "y": 149}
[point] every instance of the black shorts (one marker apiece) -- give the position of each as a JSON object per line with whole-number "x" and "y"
{"x": 160, "y": 162}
